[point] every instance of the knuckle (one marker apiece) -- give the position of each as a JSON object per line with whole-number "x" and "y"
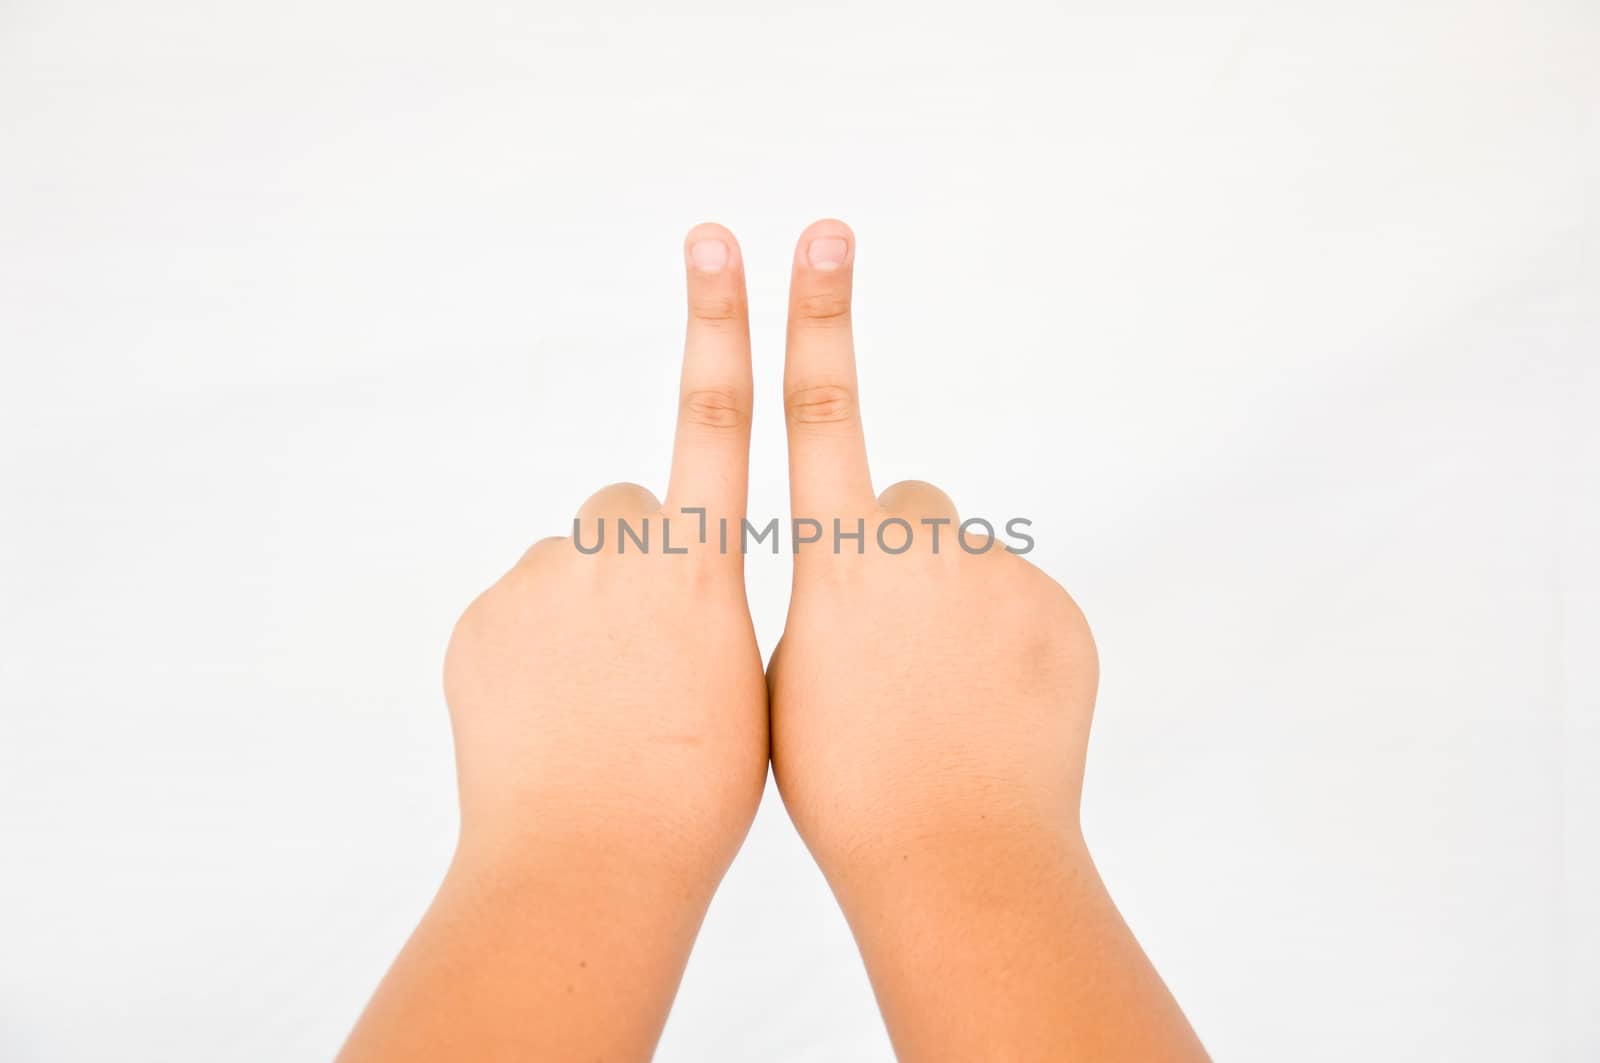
{"x": 715, "y": 408}
{"x": 830, "y": 307}
{"x": 820, "y": 404}
{"x": 715, "y": 308}
{"x": 921, "y": 488}
{"x": 470, "y": 623}
{"x": 482, "y": 616}
{"x": 542, "y": 551}
{"x": 614, "y": 499}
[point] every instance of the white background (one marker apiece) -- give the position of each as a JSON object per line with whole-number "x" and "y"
{"x": 1279, "y": 320}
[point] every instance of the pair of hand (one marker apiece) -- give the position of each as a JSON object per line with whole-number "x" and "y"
{"x": 926, "y": 716}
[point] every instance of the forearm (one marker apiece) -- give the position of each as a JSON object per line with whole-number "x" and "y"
{"x": 1006, "y": 946}
{"x": 521, "y": 958}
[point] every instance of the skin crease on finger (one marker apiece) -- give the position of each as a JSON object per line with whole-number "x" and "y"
{"x": 929, "y": 718}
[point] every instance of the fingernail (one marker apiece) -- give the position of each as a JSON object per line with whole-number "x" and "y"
{"x": 708, "y": 256}
{"x": 827, "y": 253}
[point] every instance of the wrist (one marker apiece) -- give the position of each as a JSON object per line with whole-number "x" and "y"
{"x": 538, "y": 943}
{"x": 960, "y": 869}
{"x": 598, "y": 871}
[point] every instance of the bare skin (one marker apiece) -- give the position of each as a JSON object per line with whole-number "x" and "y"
{"x": 930, "y": 715}
{"x": 610, "y": 719}
{"x": 929, "y": 718}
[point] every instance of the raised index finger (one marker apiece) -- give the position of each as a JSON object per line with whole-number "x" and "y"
{"x": 711, "y": 454}
{"x": 827, "y": 450}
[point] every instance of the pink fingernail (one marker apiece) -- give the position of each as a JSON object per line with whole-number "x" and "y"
{"x": 827, "y": 253}
{"x": 708, "y": 256}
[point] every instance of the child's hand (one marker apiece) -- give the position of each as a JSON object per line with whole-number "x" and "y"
{"x": 930, "y": 714}
{"x": 610, "y": 716}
